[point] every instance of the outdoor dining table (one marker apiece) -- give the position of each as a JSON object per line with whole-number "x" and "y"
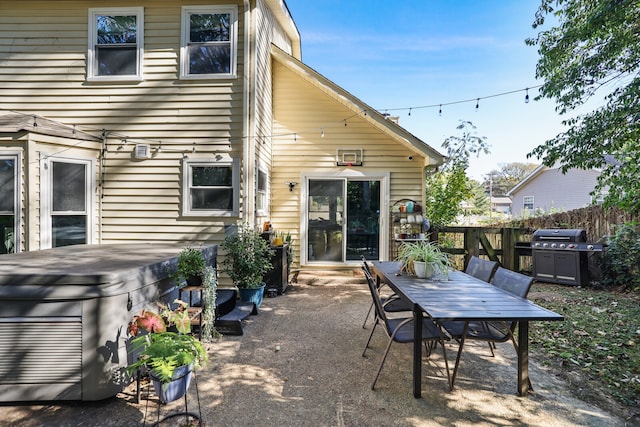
{"x": 462, "y": 297}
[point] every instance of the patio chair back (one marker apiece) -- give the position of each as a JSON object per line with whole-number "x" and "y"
{"x": 481, "y": 268}
{"x": 512, "y": 282}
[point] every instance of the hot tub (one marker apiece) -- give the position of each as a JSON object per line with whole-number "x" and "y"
{"x": 64, "y": 314}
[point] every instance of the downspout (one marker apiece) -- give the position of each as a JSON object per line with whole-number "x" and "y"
{"x": 248, "y": 119}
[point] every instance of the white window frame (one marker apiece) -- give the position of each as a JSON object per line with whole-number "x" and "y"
{"x": 16, "y": 156}
{"x": 528, "y": 200}
{"x": 46, "y": 195}
{"x": 187, "y": 11}
{"x": 187, "y": 165}
{"x": 92, "y": 59}
{"x": 262, "y": 194}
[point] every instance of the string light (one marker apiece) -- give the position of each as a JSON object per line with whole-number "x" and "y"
{"x": 228, "y": 141}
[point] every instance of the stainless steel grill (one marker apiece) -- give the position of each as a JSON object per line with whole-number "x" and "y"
{"x": 562, "y": 256}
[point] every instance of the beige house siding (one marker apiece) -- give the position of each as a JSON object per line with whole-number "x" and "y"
{"x": 269, "y": 116}
{"x": 302, "y": 112}
{"x": 268, "y": 31}
{"x": 46, "y": 76}
{"x": 33, "y": 149}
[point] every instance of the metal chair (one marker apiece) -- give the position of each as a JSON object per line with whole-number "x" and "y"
{"x": 491, "y": 332}
{"x": 481, "y": 268}
{"x": 401, "y": 330}
{"x": 391, "y": 303}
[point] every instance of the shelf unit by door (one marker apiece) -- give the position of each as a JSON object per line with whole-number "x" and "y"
{"x": 405, "y": 226}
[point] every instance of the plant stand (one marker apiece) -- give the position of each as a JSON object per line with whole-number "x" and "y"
{"x": 172, "y": 410}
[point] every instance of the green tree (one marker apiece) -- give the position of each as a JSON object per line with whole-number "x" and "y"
{"x": 448, "y": 186}
{"x": 500, "y": 181}
{"x": 479, "y": 200}
{"x": 594, "y": 50}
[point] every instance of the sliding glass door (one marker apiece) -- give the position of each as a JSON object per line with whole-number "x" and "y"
{"x": 343, "y": 219}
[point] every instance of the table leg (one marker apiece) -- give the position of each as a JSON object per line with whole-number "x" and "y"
{"x": 417, "y": 352}
{"x": 523, "y": 358}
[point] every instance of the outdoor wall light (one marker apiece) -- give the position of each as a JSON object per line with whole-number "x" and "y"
{"x": 291, "y": 185}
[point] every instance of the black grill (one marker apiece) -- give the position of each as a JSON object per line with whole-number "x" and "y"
{"x": 562, "y": 256}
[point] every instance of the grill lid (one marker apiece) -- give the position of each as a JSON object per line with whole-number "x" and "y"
{"x": 560, "y": 235}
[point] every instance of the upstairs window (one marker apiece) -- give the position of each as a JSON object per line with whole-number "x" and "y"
{"x": 115, "y": 43}
{"x": 527, "y": 202}
{"x": 211, "y": 188}
{"x": 209, "y": 42}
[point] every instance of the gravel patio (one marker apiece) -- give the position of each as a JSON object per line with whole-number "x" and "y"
{"x": 299, "y": 363}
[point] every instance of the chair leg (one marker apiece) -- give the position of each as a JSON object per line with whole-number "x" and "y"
{"x": 491, "y": 348}
{"x": 446, "y": 363}
{"x": 384, "y": 357}
{"x": 366, "y": 346}
{"x": 364, "y": 324}
{"x": 455, "y": 369}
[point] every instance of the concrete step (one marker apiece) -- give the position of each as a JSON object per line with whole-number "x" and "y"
{"x": 329, "y": 277}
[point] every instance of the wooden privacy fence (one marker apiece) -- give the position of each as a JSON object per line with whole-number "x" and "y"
{"x": 597, "y": 221}
{"x": 507, "y": 245}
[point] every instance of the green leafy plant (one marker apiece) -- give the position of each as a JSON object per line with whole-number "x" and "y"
{"x": 622, "y": 258}
{"x": 190, "y": 263}
{"x": 161, "y": 350}
{"x": 164, "y": 352}
{"x": 423, "y": 251}
{"x": 247, "y": 257}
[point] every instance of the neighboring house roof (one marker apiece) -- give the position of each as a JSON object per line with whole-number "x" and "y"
{"x": 501, "y": 200}
{"x": 380, "y": 121}
{"x": 15, "y": 123}
{"x": 537, "y": 171}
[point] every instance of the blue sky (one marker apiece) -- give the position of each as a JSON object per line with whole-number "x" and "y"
{"x": 397, "y": 55}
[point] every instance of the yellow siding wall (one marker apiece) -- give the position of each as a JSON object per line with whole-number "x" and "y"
{"x": 268, "y": 31}
{"x": 302, "y": 111}
{"x": 44, "y": 72}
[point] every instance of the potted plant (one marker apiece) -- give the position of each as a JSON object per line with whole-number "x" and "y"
{"x": 169, "y": 356}
{"x": 423, "y": 258}
{"x": 190, "y": 267}
{"x": 247, "y": 259}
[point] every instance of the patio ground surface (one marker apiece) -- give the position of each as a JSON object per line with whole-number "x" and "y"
{"x": 300, "y": 363}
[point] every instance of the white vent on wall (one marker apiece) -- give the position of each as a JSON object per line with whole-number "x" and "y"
{"x": 142, "y": 151}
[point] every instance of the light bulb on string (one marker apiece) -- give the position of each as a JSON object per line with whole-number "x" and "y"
{"x": 440, "y": 110}
{"x": 477, "y": 104}
{"x": 410, "y": 110}
{"x": 321, "y": 132}
{"x": 526, "y": 97}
